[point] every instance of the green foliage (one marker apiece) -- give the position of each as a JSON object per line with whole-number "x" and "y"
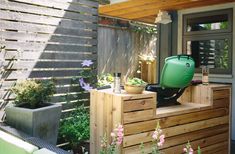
{"x": 142, "y": 148}
{"x": 76, "y": 128}
{"x": 198, "y": 150}
{"x": 143, "y": 28}
{"x": 105, "y": 79}
{"x": 135, "y": 82}
{"x": 104, "y": 2}
{"x": 33, "y": 92}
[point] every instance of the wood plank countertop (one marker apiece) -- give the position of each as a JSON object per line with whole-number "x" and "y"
{"x": 181, "y": 109}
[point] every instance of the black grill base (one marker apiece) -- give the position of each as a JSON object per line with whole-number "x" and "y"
{"x": 166, "y": 96}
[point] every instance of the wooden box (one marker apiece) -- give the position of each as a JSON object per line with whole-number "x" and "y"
{"x": 109, "y": 109}
{"x": 212, "y": 94}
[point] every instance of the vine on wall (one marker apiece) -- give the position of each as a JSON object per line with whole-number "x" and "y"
{"x": 132, "y": 25}
{"x": 103, "y": 2}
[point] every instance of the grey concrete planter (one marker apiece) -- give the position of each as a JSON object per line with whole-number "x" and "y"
{"x": 42, "y": 122}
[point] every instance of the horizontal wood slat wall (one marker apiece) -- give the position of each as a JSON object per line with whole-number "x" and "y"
{"x": 45, "y": 39}
{"x": 205, "y": 123}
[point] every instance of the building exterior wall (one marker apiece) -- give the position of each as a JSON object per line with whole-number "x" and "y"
{"x": 213, "y": 77}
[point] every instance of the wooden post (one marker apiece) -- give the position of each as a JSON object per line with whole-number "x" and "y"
{"x": 148, "y": 71}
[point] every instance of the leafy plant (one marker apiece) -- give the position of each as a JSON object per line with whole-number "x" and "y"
{"x": 143, "y": 28}
{"x": 76, "y": 128}
{"x": 135, "y": 82}
{"x": 198, "y": 150}
{"x": 103, "y": 2}
{"x": 105, "y": 79}
{"x": 33, "y": 92}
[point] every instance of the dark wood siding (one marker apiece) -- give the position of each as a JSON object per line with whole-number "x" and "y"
{"x": 47, "y": 39}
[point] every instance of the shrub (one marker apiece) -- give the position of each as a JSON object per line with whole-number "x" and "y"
{"x": 76, "y": 128}
{"x": 33, "y": 92}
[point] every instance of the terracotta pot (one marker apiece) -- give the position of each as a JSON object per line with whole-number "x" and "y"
{"x": 132, "y": 89}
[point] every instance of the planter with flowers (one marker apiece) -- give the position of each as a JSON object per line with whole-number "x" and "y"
{"x": 31, "y": 112}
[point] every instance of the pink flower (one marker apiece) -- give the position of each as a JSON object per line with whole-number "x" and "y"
{"x": 162, "y": 140}
{"x": 154, "y": 136}
{"x": 190, "y": 151}
{"x": 119, "y": 134}
{"x": 120, "y": 128}
{"x": 119, "y": 140}
{"x": 158, "y": 137}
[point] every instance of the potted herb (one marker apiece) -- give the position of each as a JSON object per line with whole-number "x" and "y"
{"x": 135, "y": 85}
{"x": 31, "y": 112}
{"x": 76, "y": 130}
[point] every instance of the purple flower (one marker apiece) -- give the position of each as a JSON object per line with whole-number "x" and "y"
{"x": 81, "y": 82}
{"x": 87, "y": 86}
{"x": 87, "y": 63}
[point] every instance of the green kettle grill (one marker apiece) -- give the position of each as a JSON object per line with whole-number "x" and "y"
{"x": 176, "y": 75}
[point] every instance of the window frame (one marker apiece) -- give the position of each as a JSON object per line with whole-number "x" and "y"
{"x": 210, "y": 35}
{"x": 229, "y": 12}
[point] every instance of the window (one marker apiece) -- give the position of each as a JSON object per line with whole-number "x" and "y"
{"x": 207, "y": 37}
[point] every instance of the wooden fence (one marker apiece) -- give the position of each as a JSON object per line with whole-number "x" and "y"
{"x": 119, "y": 49}
{"x": 47, "y": 39}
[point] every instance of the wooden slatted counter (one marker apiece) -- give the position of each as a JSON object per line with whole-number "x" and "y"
{"x": 204, "y": 122}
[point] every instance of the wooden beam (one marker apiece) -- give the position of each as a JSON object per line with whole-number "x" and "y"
{"x": 150, "y": 12}
{"x": 148, "y": 19}
{"x": 140, "y": 9}
{"x": 158, "y": 4}
{"x": 124, "y": 5}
